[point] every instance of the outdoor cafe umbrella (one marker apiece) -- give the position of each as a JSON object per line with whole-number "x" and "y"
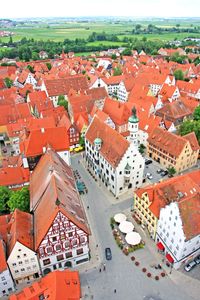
{"x": 119, "y": 218}
{"x": 133, "y": 238}
{"x": 126, "y": 227}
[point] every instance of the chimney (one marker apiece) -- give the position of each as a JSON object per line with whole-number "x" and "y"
{"x": 42, "y": 130}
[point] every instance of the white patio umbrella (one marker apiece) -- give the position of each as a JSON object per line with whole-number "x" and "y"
{"x": 126, "y": 227}
{"x": 133, "y": 238}
{"x": 119, "y": 218}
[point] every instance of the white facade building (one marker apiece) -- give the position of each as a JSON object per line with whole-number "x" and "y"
{"x": 172, "y": 232}
{"x": 114, "y": 160}
{"x": 122, "y": 93}
{"x": 23, "y": 263}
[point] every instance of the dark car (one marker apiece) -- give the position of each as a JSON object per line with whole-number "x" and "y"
{"x": 159, "y": 171}
{"x": 108, "y": 253}
{"x": 164, "y": 173}
{"x": 148, "y": 162}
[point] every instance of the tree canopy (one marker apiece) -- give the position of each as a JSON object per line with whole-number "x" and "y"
{"x": 4, "y": 197}
{"x": 19, "y": 199}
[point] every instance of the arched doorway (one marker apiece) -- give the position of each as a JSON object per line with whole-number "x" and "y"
{"x": 68, "y": 264}
{"x": 47, "y": 271}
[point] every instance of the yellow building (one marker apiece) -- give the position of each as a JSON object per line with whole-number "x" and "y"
{"x": 170, "y": 150}
{"x": 144, "y": 211}
{"x": 148, "y": 201}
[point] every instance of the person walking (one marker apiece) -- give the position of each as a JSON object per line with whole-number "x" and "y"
{"x": 100, "y": 270}
{"x": 115, "y": 291}
{"x": 104, "y": 267}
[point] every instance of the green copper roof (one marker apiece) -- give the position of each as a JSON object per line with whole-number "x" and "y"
{"x": 97, "y": 141}
{"x": 133, "y": 118}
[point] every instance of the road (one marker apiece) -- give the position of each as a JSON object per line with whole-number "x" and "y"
{"x": 121, "y": 274}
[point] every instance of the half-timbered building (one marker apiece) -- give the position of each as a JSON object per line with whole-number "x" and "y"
{"x": 60, "y": 225}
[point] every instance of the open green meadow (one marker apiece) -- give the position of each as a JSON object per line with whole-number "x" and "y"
{"x": 73, "y": 30}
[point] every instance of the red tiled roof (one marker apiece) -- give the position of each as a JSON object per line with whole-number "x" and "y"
{"x": 175, "y": 110}
{"x": 163, "y": 193}
{"x": 168, "y": 141}
{"x": 58, "y": 87}
{"x": 113, "y": 146}
{"x": 11, "y": 176}
{"x": 190, "y": 214}
{"x": 53, "y": 189}
{"x": 21, "y": 230}
{"x": 3, "y": 264}
{"x": 57, "y": 285}
{"x": 56, "y": 137}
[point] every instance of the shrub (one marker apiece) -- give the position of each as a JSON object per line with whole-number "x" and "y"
{"x": 148, "y": 274}
{"x": 144, "y": 270}
{"x": 137, "y": 263}
{"x": 157, "y": 277}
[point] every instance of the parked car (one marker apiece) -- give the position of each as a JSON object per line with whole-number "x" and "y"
{"x": 108, "y": 253}
{"x": 148, "y": 162}
{"x": 197, "y": 260}
{"x": 159, "y": 171}
{"x": 164, "y": 173}
{"x": 190, "y": 266}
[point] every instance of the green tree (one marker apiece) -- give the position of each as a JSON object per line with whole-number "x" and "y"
{"x": 62, "y": 102}
{"x": 196, "y": 114}
{"x": 82, "y": 141}
{"x": 113, "y": 56}
{"x": 4, "y": 197}
{"x": 171, "y": 171}
{"x": 49, "y": 66}
{"x": 127, "y": 52}
{"x": 19, "y": 199}
{"x": 179, "y": 75}
{"x": 8, "y": 82}
{"x": 117, "y": 71}
{"x": 190, "y": 126}
{"x": 142, "y": 148}
{"x": 30, "y": 68}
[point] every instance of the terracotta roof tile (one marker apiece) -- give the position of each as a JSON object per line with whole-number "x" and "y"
{"x": 113, "y": 146}
{"x": 3, "y": 264}
{"x": 53, "y": 189}
{"x": 56, "y": 285}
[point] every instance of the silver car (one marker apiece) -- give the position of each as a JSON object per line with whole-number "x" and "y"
{"x": 190, "y": 266}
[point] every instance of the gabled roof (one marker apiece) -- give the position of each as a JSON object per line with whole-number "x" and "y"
{"x": 21, "y": 230}
{"x": 175, "y": 110}
{"x": 174, "y": 189}
{"x": 58, "y": 87}
{"x": 113, "y": 146}
{"x": 190, "y": 214}
{"x": 56, "y": 137}
{"x": 13, "y": 176}
{"x": 53, "y": 189}
{"x": 168, "y": 141}
{"x": 118, "y": 112}
{"x": 191, "y": 137}
{"x": 57, "y": 285}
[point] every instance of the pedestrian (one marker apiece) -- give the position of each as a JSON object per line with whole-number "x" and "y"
{"x": 96, "y": 245}
{"x": 88, "y": 207}
{"x": 104, "y": 267}
{"x": 78, "y": 161}
{"x": 115, "y": 291}
{"x": 100, "y": 270}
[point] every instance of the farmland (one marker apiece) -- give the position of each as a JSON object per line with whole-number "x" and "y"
{"x": 73, "y": 30}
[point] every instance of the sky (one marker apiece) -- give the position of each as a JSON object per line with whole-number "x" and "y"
{"x": 74, "y": 8}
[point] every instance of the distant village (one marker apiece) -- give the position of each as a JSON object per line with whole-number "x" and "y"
{"x": 119, "y": 114}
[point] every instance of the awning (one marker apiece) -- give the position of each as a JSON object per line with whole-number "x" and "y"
{"x": 160, "y": 246}
{"x": 126, "y": 227}
{"x": 119, "y": 218}
{"x": 169, "y": 258}
{"x": 133, "y": 238}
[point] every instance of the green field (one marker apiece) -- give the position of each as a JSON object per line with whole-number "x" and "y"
{"x": 73, "y": 30}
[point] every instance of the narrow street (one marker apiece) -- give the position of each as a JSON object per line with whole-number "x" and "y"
{"x": 121, "y": 274}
